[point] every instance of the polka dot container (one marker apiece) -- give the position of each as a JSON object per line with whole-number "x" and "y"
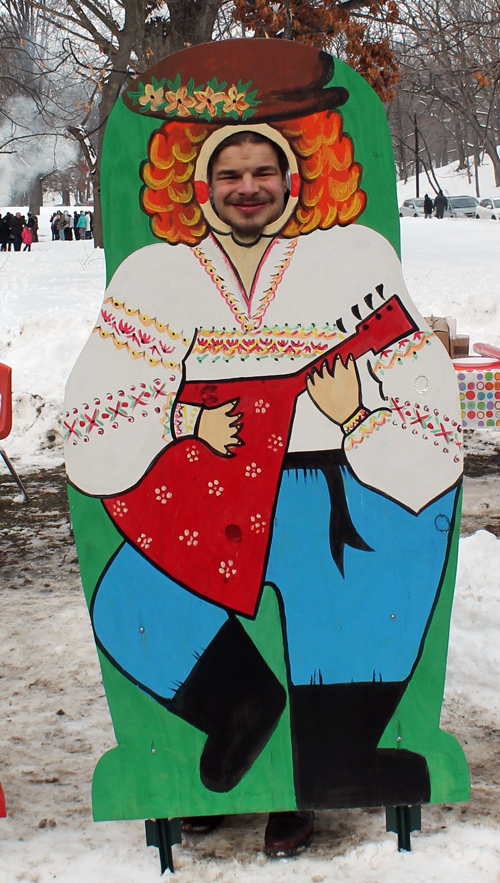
{"x": 479, "y": 398}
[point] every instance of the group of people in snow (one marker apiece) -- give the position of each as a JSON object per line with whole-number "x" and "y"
{"x": 439, "y": 205}
{"x": 67, "y": 226}
{"x": 16, "y": 230}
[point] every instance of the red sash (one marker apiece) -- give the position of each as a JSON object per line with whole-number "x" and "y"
{"x": 205, "y": 519}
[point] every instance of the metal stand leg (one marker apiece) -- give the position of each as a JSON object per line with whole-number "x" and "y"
{"x": 163, "y": 833}
{"x": 13, "y": 472}
{"x": 403, "y": 820}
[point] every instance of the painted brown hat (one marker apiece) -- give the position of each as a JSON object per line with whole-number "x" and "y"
{"x": 235, "y": 80}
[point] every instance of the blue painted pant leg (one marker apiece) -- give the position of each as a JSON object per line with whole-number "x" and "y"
{"x": 149, "y": 626}
{"x": 369, "y": 624}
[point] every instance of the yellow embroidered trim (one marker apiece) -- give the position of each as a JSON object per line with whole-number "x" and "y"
{"x": 259, "y": 347}
{"x": 371, "y": 424}
{"x": 123, "y": 344}
{"x": 404, "y": 349}
{"x": 185, "y": 417}
{"x": 161, "y": 327}
{"x": 357, "y": 418}
{"x": 325, "y": 333}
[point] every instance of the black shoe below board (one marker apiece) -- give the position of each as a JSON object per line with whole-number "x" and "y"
{"x": 288, "y": 833}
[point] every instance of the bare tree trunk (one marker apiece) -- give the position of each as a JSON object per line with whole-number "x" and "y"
{"x": 491, "y": 150}
{"x": 477, "y": 162}
{"x": 444, "y": 153}
{"x": 36, "y": 195}
{"x": 288, "y": 32}
{"x": 462, "y": 161}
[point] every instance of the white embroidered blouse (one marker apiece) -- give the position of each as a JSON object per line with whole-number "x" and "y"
{"x": 173, "y": 312}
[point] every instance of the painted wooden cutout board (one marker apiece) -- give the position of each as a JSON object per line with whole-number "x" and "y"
{"x": 272, "y": 625}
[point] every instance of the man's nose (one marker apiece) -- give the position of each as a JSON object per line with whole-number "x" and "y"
{"x": 248, "y": 184}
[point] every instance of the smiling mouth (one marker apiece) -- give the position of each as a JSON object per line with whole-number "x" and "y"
{"x": 250, "y": 208}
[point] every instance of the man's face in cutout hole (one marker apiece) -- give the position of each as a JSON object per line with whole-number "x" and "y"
{"x": 248, "y": 187}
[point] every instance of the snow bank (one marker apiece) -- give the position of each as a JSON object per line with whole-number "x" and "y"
{"x": 474, "y": 656}
{"x": 452, "y": 268}
{"x": 49, "y": 299}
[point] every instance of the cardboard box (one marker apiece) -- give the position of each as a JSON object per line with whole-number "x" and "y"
{"x": 439, "y": 326}
{"x": 459, "y": 346}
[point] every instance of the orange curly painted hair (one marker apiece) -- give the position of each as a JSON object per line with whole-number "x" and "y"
{"x": 329, "y": 191}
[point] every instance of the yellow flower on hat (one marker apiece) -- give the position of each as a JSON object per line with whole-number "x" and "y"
{"x": 208, "y": 100}
{"x": 235, "y": 101}
{"x": 152, "y": 96}
{"x": 179, "y": 101}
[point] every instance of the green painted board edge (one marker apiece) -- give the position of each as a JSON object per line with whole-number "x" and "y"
{"x": 96, "y": 537}
{"x": 415, "y": 724}
{"x": 365, "y": 121}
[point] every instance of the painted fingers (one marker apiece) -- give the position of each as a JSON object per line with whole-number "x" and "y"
{"x": 336, "y": 392}
{"x": 220, "y": 427}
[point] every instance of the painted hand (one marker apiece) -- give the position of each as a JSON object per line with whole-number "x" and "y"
{"x": 336, "y": 394}
{"x": 220, "y": 427}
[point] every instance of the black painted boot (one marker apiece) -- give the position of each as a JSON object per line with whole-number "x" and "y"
{"x": 335, "y": 732}
{"x": 232, "y": 695}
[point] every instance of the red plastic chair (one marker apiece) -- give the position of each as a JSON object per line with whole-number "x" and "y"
{"x": 6, "y": 425}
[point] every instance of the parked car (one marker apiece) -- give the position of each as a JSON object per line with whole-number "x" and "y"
{"x": 461, "y": 207}
{"x": 412, "y": 208}
{"x": 489, "y": 209}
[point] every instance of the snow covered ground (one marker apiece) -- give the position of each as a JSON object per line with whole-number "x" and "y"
{"x": 55, "y": 723}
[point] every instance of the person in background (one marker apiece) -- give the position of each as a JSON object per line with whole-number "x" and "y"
{"x": 27, "y": 237}
{"x": 89, "y": 231}
{"x": 53, "y": 225}
{"x": 32, "y": 223}
{"x": 68, "y": 230}
{"x": 428, "y": 206}
{"x": 61, "y": 224}
{"x": 4, "y": 233}
{"x": 81, "y": 226}
{"x": 17, "y": 223}
{"x": 7, "y": 219}
{"x": 440, "y": 204}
